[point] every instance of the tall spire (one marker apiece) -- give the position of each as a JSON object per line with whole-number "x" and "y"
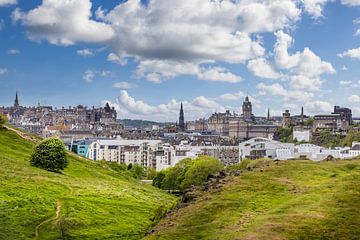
{"x": 302, "y": 115}
{"x": 181, "y": 119}
{"x": 268, "y": 115}
{"x": 16, "y": 103}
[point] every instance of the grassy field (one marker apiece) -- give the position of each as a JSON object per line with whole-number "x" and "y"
{"x": 87, "y": 201}
{"x": 288, "y": 200}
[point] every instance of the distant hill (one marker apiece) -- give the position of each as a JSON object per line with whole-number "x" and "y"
{"x": 130, "y": 123}
{"x": 285, "y": 200}
{"x": 87, "y": 201}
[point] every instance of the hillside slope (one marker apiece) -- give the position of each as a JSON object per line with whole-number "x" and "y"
{"x": 288, "y": 200}
{"x": 87, "y": 201}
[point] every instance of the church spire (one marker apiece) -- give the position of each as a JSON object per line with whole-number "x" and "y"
{"x": 16, "y": 103}
{"x": 268, "y": 114}
{"x": 181, "y": 119}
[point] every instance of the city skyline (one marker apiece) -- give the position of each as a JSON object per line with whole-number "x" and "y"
{"x": 146, "y": 57}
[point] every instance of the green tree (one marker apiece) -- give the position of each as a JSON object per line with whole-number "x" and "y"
{"x": 284, "y": 134}
{"x": 50, "y": 154}
{"x": 130, "y": 166}
{"x": 158, "y": 180}
{"x": 176, "y": 175}
{"x": 137, "y": 171}
{"x": 309, "y": 122}
{"x": 199, "y": 171}
{"x": 351, "y": 136}
{"x": 3, "y": 119}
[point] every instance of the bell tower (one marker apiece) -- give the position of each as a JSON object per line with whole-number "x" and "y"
{"x": 247, "y": 108}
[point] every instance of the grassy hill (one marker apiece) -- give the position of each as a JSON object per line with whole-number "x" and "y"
{"x": 87, "y": 201}
{"x": 288, "y": 200}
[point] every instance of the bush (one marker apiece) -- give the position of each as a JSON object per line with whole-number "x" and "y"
{"x": 50, "y": 154}
{"x": 199, "y": 171}
{"x": 3, "y": 119}
{"x": 137, "y": 171}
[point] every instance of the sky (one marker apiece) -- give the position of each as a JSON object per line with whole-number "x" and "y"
{"x": 146, "y": 57}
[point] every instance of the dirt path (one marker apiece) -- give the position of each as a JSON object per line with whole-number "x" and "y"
{"x": 21, "y": 134}
{"x": 56, "y": 217}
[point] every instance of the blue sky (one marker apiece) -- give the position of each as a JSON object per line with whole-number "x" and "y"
{"x": 147, "y": 57}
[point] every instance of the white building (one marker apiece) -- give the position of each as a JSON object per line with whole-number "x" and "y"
{"x": 265, "y": 148}
{"x": 302, "y": 135}
{"x": 125, "y": 151}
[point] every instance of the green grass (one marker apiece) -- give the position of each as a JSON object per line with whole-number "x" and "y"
{"x": 288, "y": 200}
{"x": 96, "y": 202}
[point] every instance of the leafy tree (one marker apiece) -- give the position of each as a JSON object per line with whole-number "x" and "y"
{"x": 351, "y": 137}
{"x": 3, "y": 119}
{"x": 326, "y": 138}
{"x": 137, "y": 171}
{"x": 284, "y": 134}
{"x": 309, "y": 122}
{"x": 50, "y": 154}
{"x": 199, "y": 171}
{"x": 176, "y": 175}
{"x": 159, "y": 178}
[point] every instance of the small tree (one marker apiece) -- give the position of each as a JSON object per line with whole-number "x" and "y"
{"x": 3, "y": 120}
{"x": 50, "y": 154}
{"x": 137, "y": 171}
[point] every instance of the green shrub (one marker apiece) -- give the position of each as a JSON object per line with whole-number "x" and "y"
{"x": 240, "y": 166}
{"x": 50, "y": 154}
{"x": 199, "y": 171}
{"x": 3, "y": 119}
{"x": 137, "y": 171}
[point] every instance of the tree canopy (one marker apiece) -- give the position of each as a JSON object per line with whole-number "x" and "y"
{"x": 50, "y": 154}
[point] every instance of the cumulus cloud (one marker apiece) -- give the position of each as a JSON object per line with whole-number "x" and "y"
{"x": 13, "y": 51}
{"x": 7, "y": 2}
{"x": 232, "y": 96}
{"x": 277, "y": 89}
{"x": 112, "y": 57}
{"x": 316, "y": 107}
{"x": 86, "y": 52}
{"x": 3, "y": 71}
{"x": 198, "y": 107}
{"x": 124, "y": 85}
{"x": 351, "y": 53}
{"x": 63, "y": 23}
{"x": 351, "y": 2}
{"x": 305, "y": 68}
{"x": 344, "y": 83}
{"x": 157, "y": 71}
{"x": 354, "y": 98}
{"x": 261, "y": 68}
{"x": 314, "y": 7}
{"x": 90, "y": 74}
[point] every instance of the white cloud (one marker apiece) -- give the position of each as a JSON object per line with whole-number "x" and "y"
{"x": 86, "y": 52}
{"x": 261, "y": 68}
{"x": 112, "y": 57}
{"x": 232, "y": 96}
{"x": 318, "y": 107}
{"x": 345, "y": 82}
{"x": 351, "y": 2}
{"x": 354, "y": 98}
{"x": 304, "y": 68}
{"x": 352, "y": 53}
{"x": 89, "y": 75}
{"x": 13, "y": 51}
{"x": 7, "y": 2}
{"x": 63, "y": 23}
{"x": 198, "y": 107}
{"x": 157, "y": 71}
{"x": 218, "y": 74}
{"x": 3, "y": 71}
{"x": 277, "y": 89}
{"x": 124, "y": 85}
{"x": 314, "y": 7}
